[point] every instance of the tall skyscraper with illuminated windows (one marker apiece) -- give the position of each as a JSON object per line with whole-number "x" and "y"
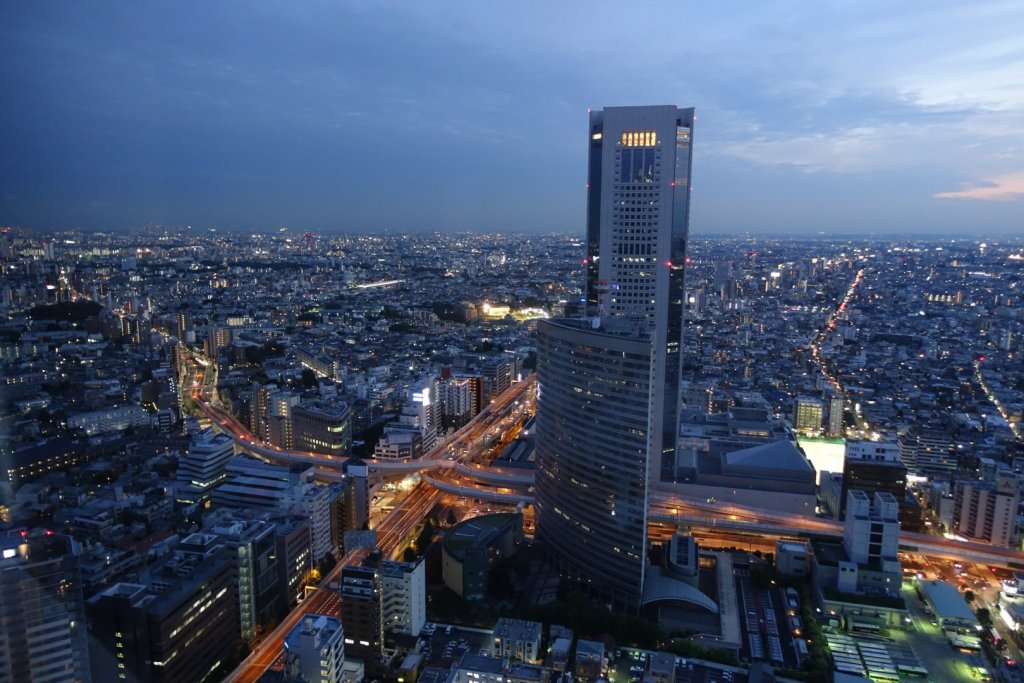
{"x": 609, "y": 384}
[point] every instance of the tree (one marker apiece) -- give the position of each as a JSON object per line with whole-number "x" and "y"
{"x": 408, "y": 555}
{"x": 984, "y": 617}
{"x": 969, "y": 596}
{"x": 451, "y": 518}
{"x": 309, "y": 380}
{"x": 327, "y": 563}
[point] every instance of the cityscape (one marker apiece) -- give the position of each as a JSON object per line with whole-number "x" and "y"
{"x": 630, "y": 449}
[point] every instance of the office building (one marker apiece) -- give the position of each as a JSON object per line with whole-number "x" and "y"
{"x": 314, "y": 650}
{"x": 871, "y": 466}
{"x": 42, "y": 615}
{"x": 807, "y": 414}
{"x": 294, "y": 557}
{"x": 316, "y": 504}
{"x": 496, "y": 377}
{"x": 986, "y": 511}
{"x": 399, "y": 442}
{"x": 257, "y": 572}
{"x": 594, "y": 452}
{"x": 866, "y": 562}
{"x": 871, "y": 530}
{"x": 260, "y": 409}
{"x": 280, "y": 431}
{"x": 178, "y": 623}
{"x": 350, "y": 503}
{"x": 475, "y": 545}
{"x": 320, "y": 427}
{"x": 254, "y": 484}
{"x": 638, "y": 214}
{"x": 204, "y": 466}
{"x": 929, "y": 451}
{"x": 381, "y": 596}
{"x": 609, "y": 385}
{"x": 478, "y": 669}
{"x": 835, "y": 414}
{"x": 220, "y": 338}
{"x": 184, "y": 327}
{"x": 423, "y": 400}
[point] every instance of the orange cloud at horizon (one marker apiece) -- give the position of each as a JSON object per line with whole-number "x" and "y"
{"x": 998, "y": 189}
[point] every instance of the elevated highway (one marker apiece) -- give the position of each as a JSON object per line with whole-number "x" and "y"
{"x": 450, "y": 468}
{"x": 455, "y": 451}
{"x": 675, "y": 510}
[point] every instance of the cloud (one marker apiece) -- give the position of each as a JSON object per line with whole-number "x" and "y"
{"x": 999, "y": 189}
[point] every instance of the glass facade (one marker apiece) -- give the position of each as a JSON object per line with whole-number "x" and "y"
{"x": 608, "y": 415}
{"x": 591, "y": 481}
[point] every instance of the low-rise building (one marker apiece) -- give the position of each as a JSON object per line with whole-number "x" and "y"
{"x": 517, "y": 640}
{"x": 590, "y": 663}
{"x": 792, "y": 558}
{"x": 473, "y": 546}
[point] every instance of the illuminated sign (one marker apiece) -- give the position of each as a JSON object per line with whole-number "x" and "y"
{"x": 639, "y": 138}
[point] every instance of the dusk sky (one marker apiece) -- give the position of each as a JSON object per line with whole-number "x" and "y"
{"x": 847, "y": 117}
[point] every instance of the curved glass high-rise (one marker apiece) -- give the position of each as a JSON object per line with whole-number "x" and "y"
{"x": 608, "y": 404}
{"x": 593, "y": 440}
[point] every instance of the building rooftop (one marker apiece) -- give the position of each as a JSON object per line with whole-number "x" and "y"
{"x": 775, "y": 455}
{"x": 482, "y": 663}
{"x": 518, "y": 629}
{"x": 476, "y": 531}
{"x": 947, "y": 601}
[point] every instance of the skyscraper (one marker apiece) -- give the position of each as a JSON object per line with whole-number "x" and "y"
{"x": 42, "y": 614}
{"x": 609, "y": 384}
{"x": 638, "y": 217}
{"x": 178, "y": 622}
{"x": 594, "y": 436}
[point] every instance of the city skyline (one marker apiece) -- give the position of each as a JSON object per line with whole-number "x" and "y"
{"x": 121, "y": 350}
{"x": 814, "y": 119}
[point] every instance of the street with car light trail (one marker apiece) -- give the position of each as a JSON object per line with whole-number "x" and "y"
{"x": 458, "y": 466}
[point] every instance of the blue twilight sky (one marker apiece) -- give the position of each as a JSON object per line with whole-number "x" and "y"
{"x": 847, "y": 117}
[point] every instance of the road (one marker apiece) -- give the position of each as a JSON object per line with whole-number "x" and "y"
{"x": 513, "y": 403}
{"x": 392, "y": 529}
{"x": 455, "y": 462}
{"x": 390, "y": 533}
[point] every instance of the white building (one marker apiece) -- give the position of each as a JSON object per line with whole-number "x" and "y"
{"x": 879, "y": 451}
{"x": 871, "y": 539}
{"x": 314, "y": 650}
{"x": 872, "y": 527}
{"x": 110, "y": 419}
{"x": 252, "y": 483}
{"x": 516, "y": 640}
{"x": 403, "y": 596}
{"x": 203, "y": 467}
{"x": 316, "y": 504}
{"x": 280, "y": 489}
{"x": 399, "y": 445}
{"x": 986, "y": 511}
{"x": 424, "y": 399}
